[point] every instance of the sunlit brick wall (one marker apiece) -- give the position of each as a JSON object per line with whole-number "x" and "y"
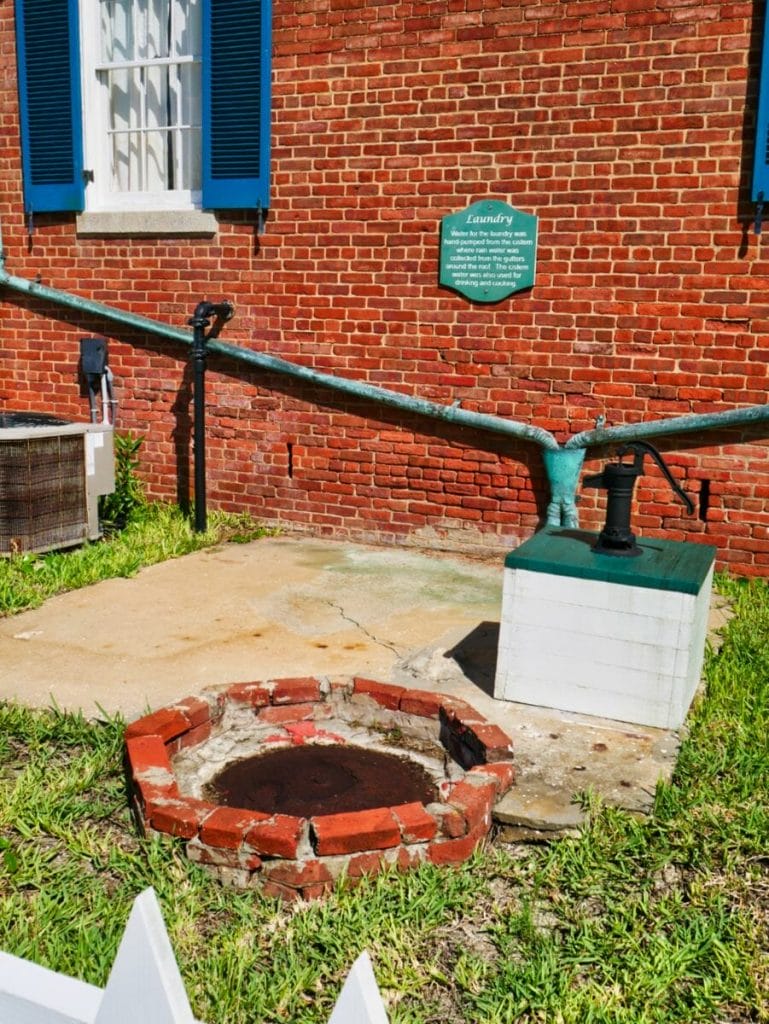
{"x": 625, "y": 126}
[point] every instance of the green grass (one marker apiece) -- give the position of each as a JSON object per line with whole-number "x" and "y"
{"x": 655, "y": 920}
{"x": 156, "y": 532}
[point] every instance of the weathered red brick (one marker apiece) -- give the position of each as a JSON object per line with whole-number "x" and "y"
{"x": 502, "y": 773}
{"x": 460, "y": 710}
{"x": 415, "y": 823}
{"x": 197, "y": 735}
{"x": 227, "y": 827}
{"x": 369, "y": 863}
{"x": 374, "y": 829}
{"x": 296, "y": 691}
{"x": 386, "y": 694}
{"x": 182, "y": 817}
{"x": 291, "y": 713}
{"x": 454, "y": 851}
{"x": 278, "y": 890}
{"x": 450, "y": 821}
{"x": 146, "y": 753}
{"x": 255, "y": 694}
{"x": 195, "y": 710}
{"x": 496, "y": 744}
{"x": 298, "y": 873}
{"x": 224, "y": 858}
{"x": 165, "y": 723}
{"x": 474, "y": 802}
{"x": 277, "y": 837}
{"x": 152, "y": 798}
{"x": 421, "y": 702}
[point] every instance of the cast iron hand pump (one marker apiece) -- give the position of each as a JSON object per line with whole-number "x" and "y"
{"x": 618, "y": 479}
{"x": 201, "y": 318}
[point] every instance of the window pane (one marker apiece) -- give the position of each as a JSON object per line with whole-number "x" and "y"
{"x": 158, "y": 28}
{"x": 117, "y": 35}
{"x": 158, "y": 112}
{"x": 157, "y": 162}
{"x": 186, "y": 22}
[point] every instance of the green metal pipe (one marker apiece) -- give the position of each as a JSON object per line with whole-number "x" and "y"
{"x": 677, "y": 425}
{"x": 272, "y": 364}
{"x": 562, "y": 468}
{"x": 562, "y": 464}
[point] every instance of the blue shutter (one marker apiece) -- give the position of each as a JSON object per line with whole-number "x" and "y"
{"x": 47, "y": 51}
{"x": 760, "y": 193}
{"x": 236, "y": 103}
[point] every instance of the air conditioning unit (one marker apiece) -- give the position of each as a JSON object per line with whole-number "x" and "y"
{"x": 52, "y": 473}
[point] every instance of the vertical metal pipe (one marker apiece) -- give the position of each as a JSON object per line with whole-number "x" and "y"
{"x": 199, "y": 421}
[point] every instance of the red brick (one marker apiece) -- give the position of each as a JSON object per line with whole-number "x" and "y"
{"x": 195, "y": 710}
{"x": 165, "y": 723}
{"x": 497, "y": 744}
{"x": 357, "y": 830}
{"x": 278, "y": 837}
{"x": 181, "y": 817}
{"x": 197, "y": 735}
{"x": 415, "y": 823}
{"x": 502, "y": 773}
{"x": 454, "y": 851}
{"x": 451, "y": 822}
{"x": 298, "y": 873}
{"x": 292, "y": 713}
{"x": 275, "y": 890}
{"x": 147, "y": 753}
{"x": 224, "y": 858}
{"x": 296, "y": 691}
{"x": 227, "y": 827}
{"x": 314, "y": 892}
{"x": 383, "y": 693}
{"x": 152, "y": 798}
{"x": 474, "y": 802}
{"x": 255, "y": 694}
{"x": 369, "y": 863}
{"x": 460, "y": 710}
{"x": 421, "y": 702}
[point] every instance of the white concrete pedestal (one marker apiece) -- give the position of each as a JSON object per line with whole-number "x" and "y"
{"x": 623, "y": 638}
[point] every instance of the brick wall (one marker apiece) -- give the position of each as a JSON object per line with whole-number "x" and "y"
{"x": 626, "y": 126}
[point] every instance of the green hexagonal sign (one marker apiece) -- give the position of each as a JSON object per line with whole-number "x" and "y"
{"x": 488, "y": 251}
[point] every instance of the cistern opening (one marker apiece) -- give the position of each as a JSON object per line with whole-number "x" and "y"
{"x": 331, "y": 779}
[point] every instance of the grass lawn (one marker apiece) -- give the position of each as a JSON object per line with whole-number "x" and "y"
{"x": 637, "y": 921}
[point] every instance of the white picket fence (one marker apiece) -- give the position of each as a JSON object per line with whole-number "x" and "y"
{"x": 144, "y": 985}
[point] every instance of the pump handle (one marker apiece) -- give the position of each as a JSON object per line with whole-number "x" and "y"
{"x": 641, "y": 448}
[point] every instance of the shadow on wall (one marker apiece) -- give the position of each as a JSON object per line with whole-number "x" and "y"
{"x": 476, "y": 655}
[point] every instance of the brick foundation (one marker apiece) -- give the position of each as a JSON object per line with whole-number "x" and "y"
{"x": 303, "y": 857}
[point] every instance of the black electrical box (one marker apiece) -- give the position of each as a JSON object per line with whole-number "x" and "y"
{"x": 93, "y": 356}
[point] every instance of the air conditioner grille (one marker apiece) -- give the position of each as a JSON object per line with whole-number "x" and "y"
{"x": 42, "y": 493}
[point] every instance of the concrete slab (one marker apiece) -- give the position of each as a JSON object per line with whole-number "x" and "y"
{"x": 289, "y": 606}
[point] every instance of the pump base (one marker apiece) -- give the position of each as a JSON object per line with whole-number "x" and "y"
{"x": 591, "y": 633}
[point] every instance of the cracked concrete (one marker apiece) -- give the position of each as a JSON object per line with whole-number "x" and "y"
{"x": 287, "y": 606}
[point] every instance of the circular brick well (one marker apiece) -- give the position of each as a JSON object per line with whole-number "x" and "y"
{"x": 174, "y": 755}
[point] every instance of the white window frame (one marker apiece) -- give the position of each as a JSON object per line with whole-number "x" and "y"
{"x": 99, "y": 197}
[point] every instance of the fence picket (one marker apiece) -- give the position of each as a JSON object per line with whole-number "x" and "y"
{"x": 359, "y": 1001}
{"x": 30, "y": 994}
{"x": 144, "y": 984}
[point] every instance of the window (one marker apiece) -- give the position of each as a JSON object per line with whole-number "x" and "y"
{"x": 144, "y": 104}
{"x": 142, "y": 110}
